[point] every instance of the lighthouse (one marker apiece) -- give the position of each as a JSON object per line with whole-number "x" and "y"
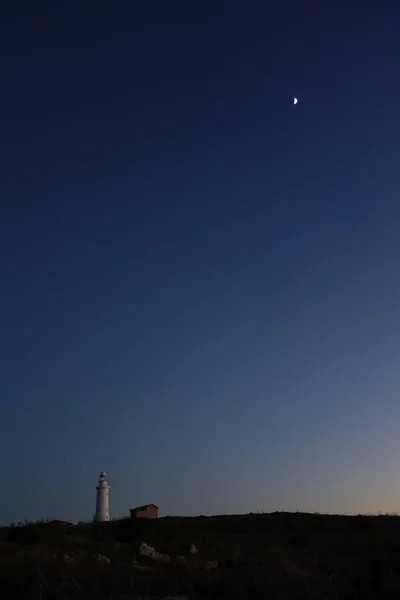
{"x": 102, "y": 488}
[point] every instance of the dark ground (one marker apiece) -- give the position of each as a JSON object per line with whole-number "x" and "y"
{"x": 278, "y": 556}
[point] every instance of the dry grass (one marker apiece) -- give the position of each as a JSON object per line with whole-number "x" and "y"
{"x": 278, "y": 556}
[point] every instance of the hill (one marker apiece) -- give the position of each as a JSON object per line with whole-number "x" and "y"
{"x": 257, "y": 556}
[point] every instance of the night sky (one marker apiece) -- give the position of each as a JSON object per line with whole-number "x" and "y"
{"x": 200, "y": 282}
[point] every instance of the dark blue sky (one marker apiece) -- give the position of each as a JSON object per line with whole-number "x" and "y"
{"x": 200, "y": 285}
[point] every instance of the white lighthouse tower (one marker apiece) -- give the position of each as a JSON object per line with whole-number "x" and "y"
{"x": 102, "y": 488}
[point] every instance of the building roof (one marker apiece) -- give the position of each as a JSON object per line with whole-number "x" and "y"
{"x": 144, "y": 507}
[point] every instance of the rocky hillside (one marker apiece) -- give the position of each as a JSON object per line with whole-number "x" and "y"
{"x": 280, "y": 555}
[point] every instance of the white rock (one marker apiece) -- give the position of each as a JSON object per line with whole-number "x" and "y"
{"x": 150, "y": 552}
{"x": 146, "y": 550}
{"x": 102, "y": 558}
{"x": 193, "y": 549}
{"x": 67, "y": 558}
{"x": 211, "y": 564}
{"x": 165, "y": 558}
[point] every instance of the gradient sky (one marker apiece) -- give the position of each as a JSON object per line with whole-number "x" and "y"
{"x": 200, "y": 287}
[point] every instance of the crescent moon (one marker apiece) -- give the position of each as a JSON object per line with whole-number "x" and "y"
{"x": 295, "y": 101}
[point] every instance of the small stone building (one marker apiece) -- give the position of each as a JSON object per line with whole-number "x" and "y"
{"x": 147, "y": 511}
